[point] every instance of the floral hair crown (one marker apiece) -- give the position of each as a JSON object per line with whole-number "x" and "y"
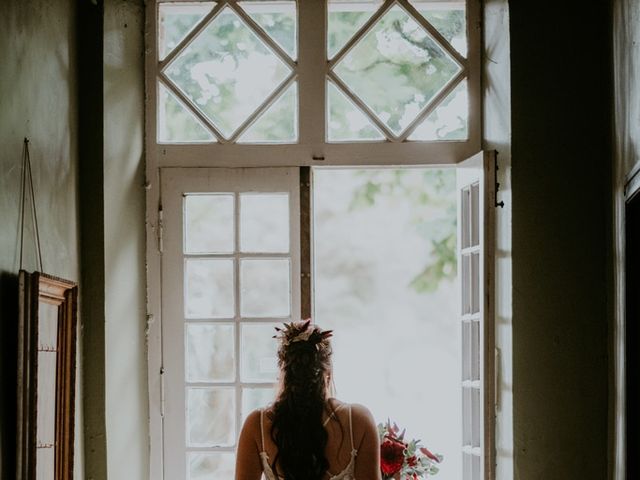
{"x": 301, "y": 331}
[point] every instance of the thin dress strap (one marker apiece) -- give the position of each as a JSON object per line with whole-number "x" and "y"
{"x": 262, "y": 427}
{"x": 351, "y": 429}
{"x": 331, "y": 415}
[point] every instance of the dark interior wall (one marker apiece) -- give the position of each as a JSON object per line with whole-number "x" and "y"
{"x": 38, "y": 81}
{"x": 89, "y": 26}
{"x": 561, "y": 179}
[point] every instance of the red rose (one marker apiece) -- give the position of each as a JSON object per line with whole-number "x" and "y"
{"x": 391, "y": 456}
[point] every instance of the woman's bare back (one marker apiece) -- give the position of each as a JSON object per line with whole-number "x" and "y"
{"x": 339, "y": 447}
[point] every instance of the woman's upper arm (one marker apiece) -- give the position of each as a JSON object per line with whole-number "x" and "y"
{"x": 248, "y": 465}
{"x": 368, "y": 458}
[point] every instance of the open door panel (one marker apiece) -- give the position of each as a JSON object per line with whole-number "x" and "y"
{"x": 476, "y": 205}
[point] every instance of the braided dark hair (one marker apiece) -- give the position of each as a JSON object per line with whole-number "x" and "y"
{"x": 304, "y": 358}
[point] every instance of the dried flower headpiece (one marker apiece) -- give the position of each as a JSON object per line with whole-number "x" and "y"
{"x": 301, "y": 331}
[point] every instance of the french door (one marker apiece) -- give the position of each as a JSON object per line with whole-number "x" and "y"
{"x": 476, "y": 205}
{"x": 231, "y": 270}
{"x": 230, "y": 273}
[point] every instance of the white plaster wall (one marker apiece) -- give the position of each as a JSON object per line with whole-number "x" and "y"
{"x": 37, "y": 100}
{"x": 126, "y": 365}
{"x": 497, "y": 136}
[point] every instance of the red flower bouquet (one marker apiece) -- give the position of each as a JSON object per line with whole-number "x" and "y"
{"x": 402, "y": 460}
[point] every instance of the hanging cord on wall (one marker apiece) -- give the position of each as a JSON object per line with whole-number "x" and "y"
{"x": 26, "y": 172}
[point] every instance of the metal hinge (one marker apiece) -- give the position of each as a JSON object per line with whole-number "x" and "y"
{"x": 162, "y": 392}
{"x": 160, "y": 229}
{"x": 496, "y": 379}
{"x": 497, "y": 184}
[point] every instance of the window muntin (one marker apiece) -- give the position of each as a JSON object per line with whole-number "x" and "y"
{"x": 400, "y": 67}
{"x": 232, "y": 65}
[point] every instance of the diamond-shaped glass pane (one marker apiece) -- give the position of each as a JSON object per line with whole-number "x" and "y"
{"x": 176, "y": 20}
{"x": 449, "y": 120}
{"x": 396, "y": 69}
{"x": 344, "y": 19}
{"x": 279, "y": 124}
{"x": 227, "y": 71}
{"x": 346, "y": 121}
{"x": 449, "y": 18}
{"x": 176, "y": 123}
{"x": 278, "y": 19}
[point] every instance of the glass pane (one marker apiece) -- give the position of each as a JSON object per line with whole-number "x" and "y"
{"x": 265, "y": 288}
{"x": 46, "y": 398}
{"x": 211, "y": 466}
{"x": 209, "y": 288}
{"x": 345, "y": 17}
{"x": 467, "y": 356}
{"x": 264, "y": 222}
{"x": 475, "y": 214}
{"x": 346, "y": 121}
{"x": 466, "y": 284}
{"x": 396, "y": 69}
{"x": 46, "y": 463}
{"x": 466, "y": 213}
{"x": 211, "y": 420}
{"x": 259, "y": 362}
{"x": 467, "y": 467}
{"x": 254, "y": 398}
{"x": 467, "y": 416}
{"x": 475, "y": 427}
{"x": 449, "y": 18}
{"x": 449, "y": 120}
{"x": 475, "y": 283}
{"x": 476, "y": 463}
{"x": 227, "y": 71}
{"x": 47, "y": 326}
{"x": 175, "y": 21}
{"x": 279, "y": 123}
{"x": 209, "y": 224}
{"x": 278, "y": 19}
{"x": 475, "y": 350}
{"x": 176, "y": 123}
{"x": 385, "y": 258}
{"x": 210, "y": 353}
{"x": 471, "y": 350}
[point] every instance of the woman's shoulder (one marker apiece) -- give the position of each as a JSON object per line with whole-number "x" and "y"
{"x": 252, "y": 421}
{"x": 359, "y": 413}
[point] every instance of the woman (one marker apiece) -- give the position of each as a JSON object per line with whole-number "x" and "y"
{"x": 305, "y": 434}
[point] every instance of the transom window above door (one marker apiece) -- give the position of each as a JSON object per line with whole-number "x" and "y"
{"x": 366, "y": 71}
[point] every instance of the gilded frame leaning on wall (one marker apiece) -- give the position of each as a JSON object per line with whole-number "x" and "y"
{"x": 47, "y": 324}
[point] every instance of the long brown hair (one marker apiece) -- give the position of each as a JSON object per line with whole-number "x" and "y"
{"x": 304, "y": 358}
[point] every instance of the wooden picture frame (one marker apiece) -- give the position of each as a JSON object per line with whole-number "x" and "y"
{"x": 46, "y": 377}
